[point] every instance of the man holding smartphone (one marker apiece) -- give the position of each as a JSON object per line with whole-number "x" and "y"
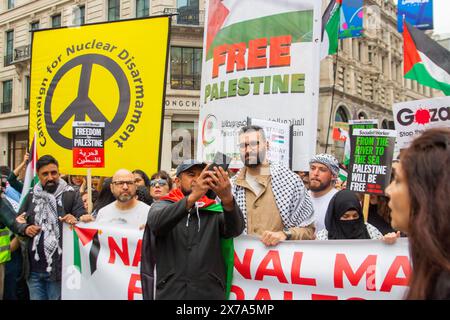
{"x": 188, "y": 228}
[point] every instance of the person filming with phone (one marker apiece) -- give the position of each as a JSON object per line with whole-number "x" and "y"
{"x": 183, "y": 236}
{"x": 273, "y": 199}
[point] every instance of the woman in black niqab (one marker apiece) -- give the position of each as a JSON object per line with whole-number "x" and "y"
{"x": 338, "y": 228}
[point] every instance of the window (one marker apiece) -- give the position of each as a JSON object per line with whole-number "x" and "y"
{"x": 142, "y": 8}
{"x": 9, "y": 47}
{"x": 362, "y": 116}
{"x": 27, "y": 93}
{"x": 183, "y": 142}
{"x": 34, "y": 26}
{"x": 113, "y": 10}
{"x": 360, "y": 57}
{"x": 185, "y": 66}
{"x": 56, "y": 21}
{"x": 7, "y": 96}
{"x": 341, "y": 115}
{"x": 370, "y": 54}
{"x": 188, "y": 12}
{"x": 78, "y": 15}
{"x": 17, "y": 146}
{"x": 384, "y": 124}
{"x": 10, "y": 4}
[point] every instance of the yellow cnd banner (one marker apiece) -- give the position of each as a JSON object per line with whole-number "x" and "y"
{"x": 108, "y": 72}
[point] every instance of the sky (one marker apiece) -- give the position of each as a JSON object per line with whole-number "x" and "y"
{"x": 441, "y": 10}
{"x": 441, "y": 16}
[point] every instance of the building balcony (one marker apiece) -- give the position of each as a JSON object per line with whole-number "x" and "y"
{"x": 6, "y": 107}
{"x": 187, "y": 16}
{"x": 22, "y": 53}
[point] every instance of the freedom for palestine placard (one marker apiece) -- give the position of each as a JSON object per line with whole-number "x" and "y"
{"x": 371, "y": 157}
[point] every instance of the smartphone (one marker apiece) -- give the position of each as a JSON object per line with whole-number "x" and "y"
{"x": 4, "y": 180}
{"x": 220, "y": 160}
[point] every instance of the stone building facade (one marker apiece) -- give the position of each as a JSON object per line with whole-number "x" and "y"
{"x": 368, "y": 78}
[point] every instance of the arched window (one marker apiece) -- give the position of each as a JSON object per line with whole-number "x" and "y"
{"x": 341, "y": 115}
{"x": 362, "y": 115}
{"x": 384, "y": 124}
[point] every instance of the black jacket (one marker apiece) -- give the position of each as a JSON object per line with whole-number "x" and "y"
{"x": 189, "y": 262}
{"x": 72, "y": 203}
{"x": 7, "y": 215}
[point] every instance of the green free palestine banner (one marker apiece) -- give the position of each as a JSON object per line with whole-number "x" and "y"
{"x": 261, "y": 60}
{"x": 371, "y": 157}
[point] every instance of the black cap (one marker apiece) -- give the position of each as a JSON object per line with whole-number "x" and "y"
{"x": 187, "y": 164}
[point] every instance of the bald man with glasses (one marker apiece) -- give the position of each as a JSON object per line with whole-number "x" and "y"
{"x": 127, "y": 209}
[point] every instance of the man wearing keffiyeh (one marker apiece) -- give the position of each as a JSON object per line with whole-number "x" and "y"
{"x": 51, "y": 202}
{"x": 273, "y": 199}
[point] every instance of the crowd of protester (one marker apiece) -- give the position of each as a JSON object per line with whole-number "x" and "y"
{"x": 261, "y": 199}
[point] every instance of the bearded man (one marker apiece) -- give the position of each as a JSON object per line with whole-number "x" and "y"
{"x": 273, "y": 199}
{"x": 51, "y": 202}
{"x": 127, "y": 209}
{"x": 323, "y": 173}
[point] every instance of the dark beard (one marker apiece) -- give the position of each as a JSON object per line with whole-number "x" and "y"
{"x": 251, "y": 164}
{"x": 185, "y": 192}
{"x": 51, "y": 187}
{"x": 321, "y": 187}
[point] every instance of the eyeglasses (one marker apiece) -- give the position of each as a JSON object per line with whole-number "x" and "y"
{"x": 121, "y": 183}
{"x": 251, "y": 144}
{"x": 161, "y": 182}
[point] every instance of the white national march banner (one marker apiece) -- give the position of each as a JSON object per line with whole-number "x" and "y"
{"x": 102, "y": 262}
{"x": 414, "y": 117}
{"x": 261, "y": 59}
{"x": 320, "y": 270}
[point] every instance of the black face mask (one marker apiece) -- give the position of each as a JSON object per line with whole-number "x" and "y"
{"x": 351, "y": 229}
{"x": 341, "y": 202}
{"x": 51, "y": 186}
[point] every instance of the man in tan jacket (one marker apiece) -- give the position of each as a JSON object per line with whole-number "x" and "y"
{"x": 273, "y": 199}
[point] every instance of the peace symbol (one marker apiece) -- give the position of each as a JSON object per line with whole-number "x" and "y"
{"x": 83, "y": 106}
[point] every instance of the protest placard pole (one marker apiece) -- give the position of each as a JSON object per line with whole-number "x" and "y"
{"x": 366, "y": 206}
{"x": 89, "y": 190}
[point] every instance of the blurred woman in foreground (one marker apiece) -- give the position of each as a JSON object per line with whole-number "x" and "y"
{"x": 420, "y": 204}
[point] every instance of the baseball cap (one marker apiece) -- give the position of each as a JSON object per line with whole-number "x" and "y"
{"x": 187, "y": 164}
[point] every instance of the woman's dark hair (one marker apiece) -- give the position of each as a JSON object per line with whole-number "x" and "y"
{"x": 144, "y": 195}
{"x": 44, "y": 161}
{"x": 144, "y": 177}
{"x": 105, "y": 195}
{"x": 163, "y": 175}
{"x": 95, "y": 195}
{"x": 426, "y": 168}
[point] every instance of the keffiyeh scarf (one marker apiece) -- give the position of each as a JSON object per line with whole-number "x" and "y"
{"x": 290, "y": 194}
{"x": 46, "y": 216}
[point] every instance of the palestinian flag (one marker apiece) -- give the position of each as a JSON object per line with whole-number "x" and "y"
{"x": 425, "y": 60}
{"x": 343, "y": 174}
{"x": 330, "y": 29}
{"x": 338, "y": 134}
{"x": 230, "y": 22}
{"x": 31, "y": 177}
{"x": 211, "y": 206}
{"x": 86, "y": 236}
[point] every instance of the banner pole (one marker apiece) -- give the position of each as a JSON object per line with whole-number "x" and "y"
{"x": 366, "y": 206}
{"x": 89, "y": 190}
{"x": 335, "y": 65}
